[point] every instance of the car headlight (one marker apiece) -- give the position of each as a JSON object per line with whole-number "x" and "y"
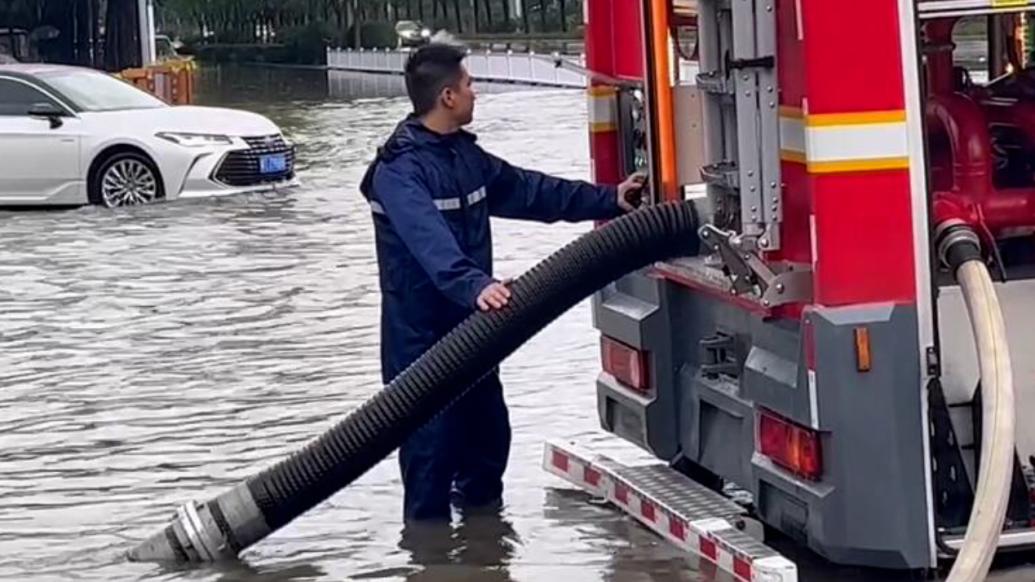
{"x": 425, "y": 33}
{"x": 194, "y": 140}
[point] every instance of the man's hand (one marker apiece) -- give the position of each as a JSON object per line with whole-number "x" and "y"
{"x": 630, "y": 192}
{"x": 495, "y": 296}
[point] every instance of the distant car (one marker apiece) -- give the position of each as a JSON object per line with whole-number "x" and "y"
{"x": 166, "y": 49}
{"x": 74, "y": 136}
{"x": 411, "y": 33}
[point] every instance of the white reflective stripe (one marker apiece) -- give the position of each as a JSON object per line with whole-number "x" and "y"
{"x": 792, "y": 134}
{"x": 602, "y": 109}
{"x": 813, "y": 399}
{"x": 476, "y": 196}
{"x": 447, "y": 203}
{"x": 442, "y": 204}
{"x": 860, "y": 142}
{"x": 454, "y": 203}
{"x": 844, "y": 147}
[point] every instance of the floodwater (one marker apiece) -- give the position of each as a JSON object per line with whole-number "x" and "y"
{"x": 160, "y": 354}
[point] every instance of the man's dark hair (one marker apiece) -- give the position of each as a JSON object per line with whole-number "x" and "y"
{"x": 429, "y": 70}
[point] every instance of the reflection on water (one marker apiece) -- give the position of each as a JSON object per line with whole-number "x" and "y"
{"x": 241, "y": 86}
{"x": 482, "y": 544}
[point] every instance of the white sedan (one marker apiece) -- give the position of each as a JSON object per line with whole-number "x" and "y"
{"x": 71, "y": 136}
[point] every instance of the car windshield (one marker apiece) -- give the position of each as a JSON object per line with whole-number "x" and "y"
{"x": 93, "y": 91}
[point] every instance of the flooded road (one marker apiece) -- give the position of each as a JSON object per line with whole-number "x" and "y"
{"x": 160, "y": 354}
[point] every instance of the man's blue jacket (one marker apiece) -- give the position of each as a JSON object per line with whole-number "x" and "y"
{"x": 431, "y": 196}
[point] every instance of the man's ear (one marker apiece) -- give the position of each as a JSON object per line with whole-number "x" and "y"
{"x": 446, "y": 97}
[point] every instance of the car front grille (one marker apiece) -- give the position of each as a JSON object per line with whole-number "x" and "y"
{"x": 242, "y": 167}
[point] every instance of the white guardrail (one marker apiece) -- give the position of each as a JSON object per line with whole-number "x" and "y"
{"x": 503, "y": 67}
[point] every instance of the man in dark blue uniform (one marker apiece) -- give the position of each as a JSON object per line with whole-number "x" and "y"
{"x": 432, "y": 190}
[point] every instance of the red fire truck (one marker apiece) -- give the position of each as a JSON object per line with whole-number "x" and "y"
{"x": 841, "y": 357}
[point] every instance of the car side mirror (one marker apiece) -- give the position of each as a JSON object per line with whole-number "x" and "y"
{"x": 48, "y": 111}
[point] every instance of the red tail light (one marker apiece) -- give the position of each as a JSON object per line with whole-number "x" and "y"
{"x": 628, "y": 365}
{"x": 793, "y": 447}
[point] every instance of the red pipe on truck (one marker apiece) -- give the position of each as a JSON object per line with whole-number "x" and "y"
{"x": 962, "y": 167}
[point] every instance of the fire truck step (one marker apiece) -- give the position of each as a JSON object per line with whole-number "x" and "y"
{"x": 684, "y": 512}
{"x": 674, "y": 490}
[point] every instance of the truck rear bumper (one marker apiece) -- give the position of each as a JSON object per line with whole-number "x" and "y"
{"x": 697, "y": 520}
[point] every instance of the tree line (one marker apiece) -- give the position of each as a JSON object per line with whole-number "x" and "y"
{"x": 100, "y": 33}
{"x": 258, "y": 20}
{"x": 103, "y": 33}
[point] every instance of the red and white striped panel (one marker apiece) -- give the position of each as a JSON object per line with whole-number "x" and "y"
{"x": 715, "y": 540}
{"x": 575, "y": 466}
{"x": 720, "y": 543}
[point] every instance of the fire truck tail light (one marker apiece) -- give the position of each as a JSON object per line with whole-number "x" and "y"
{"x": 628, "y": 365}
{"x": 790, "y": 446}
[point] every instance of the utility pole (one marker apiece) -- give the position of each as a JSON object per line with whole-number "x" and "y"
{"x": 356, "y": 24}
{"x": 146, "y": 17}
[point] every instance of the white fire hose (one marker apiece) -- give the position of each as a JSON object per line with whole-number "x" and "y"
{"x": 961, "y": 250}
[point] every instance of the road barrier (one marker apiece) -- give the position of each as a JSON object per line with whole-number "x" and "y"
{"x": 502, "y": 67}
{"x": 171, "y": 81}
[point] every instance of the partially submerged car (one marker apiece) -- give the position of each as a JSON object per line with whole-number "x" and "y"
{"x": 71, "y": 136}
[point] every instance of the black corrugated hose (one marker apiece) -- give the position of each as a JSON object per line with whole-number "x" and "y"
{"x": 224, "y": 526}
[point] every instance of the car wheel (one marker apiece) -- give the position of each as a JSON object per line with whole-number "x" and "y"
{"x": 126, "y": 179}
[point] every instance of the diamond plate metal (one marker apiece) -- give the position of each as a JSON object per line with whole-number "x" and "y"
{"x": 744, "y": 544}
{"x": 680, "y": 494}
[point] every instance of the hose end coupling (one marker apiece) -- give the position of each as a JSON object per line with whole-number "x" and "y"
{"x": 957, "y": 243}
{"x": 191, "y": 536}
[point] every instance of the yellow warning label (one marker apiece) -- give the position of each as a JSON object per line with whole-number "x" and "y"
{"x": 1008, "y": 3}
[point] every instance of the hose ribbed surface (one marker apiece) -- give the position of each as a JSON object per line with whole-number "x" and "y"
{"x": 472, "y": 350}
